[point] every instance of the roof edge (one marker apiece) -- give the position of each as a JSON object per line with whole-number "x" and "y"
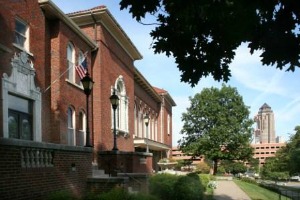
{"x": 48, "y": 5}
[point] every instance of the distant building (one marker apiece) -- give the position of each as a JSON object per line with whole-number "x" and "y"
{"x": 265, "y": 132}
{"x": 265, "y": 141}
{"x": 179, "y": 155}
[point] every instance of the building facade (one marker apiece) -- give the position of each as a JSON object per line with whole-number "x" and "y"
{"x": 44, "y": 110}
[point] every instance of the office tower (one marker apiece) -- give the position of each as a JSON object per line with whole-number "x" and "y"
{"x": 265, "y": 131}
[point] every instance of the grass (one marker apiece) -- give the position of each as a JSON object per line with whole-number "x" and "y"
{"x": 256, "y": 192}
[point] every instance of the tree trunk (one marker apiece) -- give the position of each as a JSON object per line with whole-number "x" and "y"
{"x": 215, "y": 166}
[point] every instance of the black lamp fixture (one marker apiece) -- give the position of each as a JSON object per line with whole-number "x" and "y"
{"x": 114, "y": 100}
{"x": 87, "y": 83}
{"x": 146, "y": 120}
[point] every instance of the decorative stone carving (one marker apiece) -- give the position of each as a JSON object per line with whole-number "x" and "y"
{"x": 21, "y": 83}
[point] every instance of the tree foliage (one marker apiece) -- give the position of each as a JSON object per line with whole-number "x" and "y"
{"x": 234, "y": 167}
{"x": 217, "y": 125}
{"x": 203, "y": 35}
{"x": 286, "y": 160}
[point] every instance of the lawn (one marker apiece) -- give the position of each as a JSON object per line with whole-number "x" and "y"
{"x": 255, "y": 192}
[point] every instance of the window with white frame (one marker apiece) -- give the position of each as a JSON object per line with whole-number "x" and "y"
{"x": 82, "y": 129}
{"x": 169, "y": 125}
{"x": 71, "y": 62}
{"x": 21, "y": 34}
{"x": 140, "y": 118}
{"x": 135, "y": 121}
{"x": 19, "y": 118}
{"x": 71, "y": 126}
{"x": 122, "y": 110}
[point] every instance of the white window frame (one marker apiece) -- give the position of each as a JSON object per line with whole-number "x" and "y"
{"x": 71, "y": 124}
{"x": 82, "y": 131}
{"x": 122, "y": 110}
{"x": 24, "y": 35}
{"x": 71, "y": 62}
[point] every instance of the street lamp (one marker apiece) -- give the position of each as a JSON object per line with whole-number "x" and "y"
{"x": 146, "y": 120}
{"x": 114, "y": 100}
{"x": 87, "y": 83}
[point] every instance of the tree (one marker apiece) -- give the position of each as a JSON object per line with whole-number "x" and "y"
{"x": 271, "y": 170}
{"x": 203, "y": 35}
{"x": 217, "y": 125}
{"x": 234, "y": 167}
{"x": 289, "y": 156}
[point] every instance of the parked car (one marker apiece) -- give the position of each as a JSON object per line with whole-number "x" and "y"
{"x": 295, "y": 177}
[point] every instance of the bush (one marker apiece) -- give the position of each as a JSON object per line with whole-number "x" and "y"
{"x": 205, "y": 178}
{"x": 249, "y": 180}
{"x": 162, "y": 186}
{"x": 173, "y": 187}
{"x": 188, "y": 188}
{"x": 203, "y": 168}
{"x": 61, "y": 195}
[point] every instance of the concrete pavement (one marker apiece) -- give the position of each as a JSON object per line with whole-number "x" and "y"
{"x": 228, "y": 190}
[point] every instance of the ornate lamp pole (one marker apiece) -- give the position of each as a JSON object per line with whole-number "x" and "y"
{"x": 146, "y": 120}
{"x": 87, "y": 83}
{"x": 114, "y": 100}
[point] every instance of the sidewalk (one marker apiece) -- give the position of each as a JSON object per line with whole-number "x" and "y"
{"x": 228, "y": 190}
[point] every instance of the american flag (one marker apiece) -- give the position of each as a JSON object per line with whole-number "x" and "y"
{"x": 82, "y": 68}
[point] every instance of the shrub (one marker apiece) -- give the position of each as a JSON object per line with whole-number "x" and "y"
{"x": 61, "y": 195}
{"x": 249, "y": 180}
{"x": 203, "y": 168}
{"x": 188, "y": 188}
{"x": 205, "y": 178}
{"x": 162, "y": 186}
{"x": 116, "y": 194}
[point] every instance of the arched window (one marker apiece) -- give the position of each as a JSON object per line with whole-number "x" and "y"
{"x": 122, "y": 110}
{"x": 82, "y": 129}
{"x": 135, "y": 121}
{"x": 71, "y": 126}
{"x": 71, "y": 62}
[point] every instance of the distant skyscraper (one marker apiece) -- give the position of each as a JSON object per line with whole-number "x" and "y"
{"x": 265, "y": 131}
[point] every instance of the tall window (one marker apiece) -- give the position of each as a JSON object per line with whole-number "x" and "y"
{"x": 21, "y": 34}
{"x": 82, "y": 128}
{"x": 135, "y": 121}
{"x": 71, "y": 62}
{"x": 122, "y": 111}
{"x": 19, "y": 118}
{"x": 169, "y": 125}
{"x": 71, "y": 126}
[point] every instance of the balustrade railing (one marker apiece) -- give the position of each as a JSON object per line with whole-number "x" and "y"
{"x": 35, "y": 158}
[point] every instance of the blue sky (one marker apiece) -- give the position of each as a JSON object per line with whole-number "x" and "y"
{"x": 256, "y": 83}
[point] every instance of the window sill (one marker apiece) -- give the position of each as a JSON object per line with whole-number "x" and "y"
{"x": 22, "y": 49}
{"x": 74, "y": 84}
{"x": 123, "y": 133}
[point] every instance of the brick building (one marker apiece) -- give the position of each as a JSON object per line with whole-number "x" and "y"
{"x": 43, "y": 107}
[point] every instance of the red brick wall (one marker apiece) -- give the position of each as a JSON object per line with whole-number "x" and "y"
{"x": 9, "y": 10}
{"x": 111, "y": 61}
{"x": 17, "y": 182}
{"x": 113, "y": 162}
{"x": 63, "y": 93}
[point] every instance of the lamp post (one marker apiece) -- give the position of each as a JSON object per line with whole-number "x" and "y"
{"x": 146, "y": 120}
{"x": 87, "y": 83}
{"x": 114, "y": 100}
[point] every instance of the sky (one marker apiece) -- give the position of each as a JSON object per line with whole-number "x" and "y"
{"x": 257, "y": 84}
